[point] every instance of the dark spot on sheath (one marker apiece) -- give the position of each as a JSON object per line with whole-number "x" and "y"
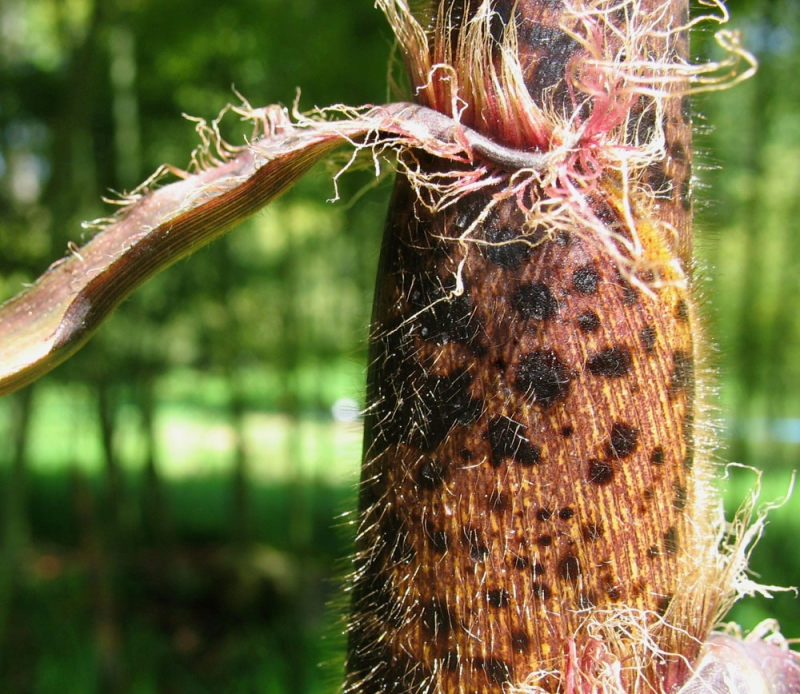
{"x": 678, "y": 152}
{"x": 623, "y": 441}
{"x": 688, "y": 459}
{"x": 663, "y": 604}
{"x": 648, "y": 493}
{"x": 544, "y": 514}
{"x": 544, "y": 540}
{"x": 567, "y": 431}
{"x": 520, "y": 563}
{"x": 590, "y": 532}
{"x": 477, "y": 546}
{"x": 507, "y": 440}
{"x": 543, "y": 375}
{"x": 497, "y": 671}
{"x": 437, "y": 407}
{"x": 657, "y": 456}
{"x": 569, "y": 568}
{"x": 431, "y": 474}
{"x": 498, "y": 500}
{"x": 563, "y": 238}
{"x": 682, "y": 377}
{"x": 586, "y": 601}
{"x": 641, "y": 121}
{"x": 541, "y": 591}
{"x": 437, "y": 618}
{"x": 600, "y": 472}
{"x": 566, "y": 513}
{"x": 520, "y": 642}
{"x": 659, "y": 180}
{"x": 498, "y": 597}
{"x": 504, "y": 247}
{"x": 612, "y": 362}
{"x": 648, "y": 337}
{"x": 682, "y": 310}
{"x": 537, "y": 569}
{"x": 686, "y": 109}
{"x": 653, "y": 551}
{"x": 585, "y": 279}
{"x": 681, "y": 496}
{"x": 629, "y": 295}
{"x": 671, "y": 542}
{"x": 614, "y": 592}
{"x": 442, "y": 318}
{"x": 556, "y": 49}
{"x": 451, "y": 661}
{"x": 588, "y": 322}
{"x": 535, "y": 301}
{"x": 465, "y": 454}
{"x": 439, "y": 541}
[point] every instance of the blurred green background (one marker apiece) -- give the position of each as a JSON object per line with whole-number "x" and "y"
{"x": 175, "y": 498}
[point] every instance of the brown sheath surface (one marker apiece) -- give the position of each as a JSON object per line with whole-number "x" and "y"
{"x": 529, "y": 435}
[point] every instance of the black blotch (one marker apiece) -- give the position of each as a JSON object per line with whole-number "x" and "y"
{"x": 567, "y": 431}
{"x": 521, "y": 563}
{"x": 507, "y": 440}
{"x": 537, "y": 569}
{"x": 612, "y": 362}
{"x": 688, "y": 459}
{"x": 541, "y": 590}
{"x": 566, "y": 513}
{"x": 588, "y": 322}
{"x": 682, "y": 311}
{"x": 439, "y": 541}
{"x": 394, "y": 535}
{"x": 681, "y": 496}
{"x": 477, "y": 547}
{"x": 590, "y": 532}
{"x": 569, "y": 568}
{"x": 498, "y": 597}
{"x": 535, "y": 301}
{"x": 614, "y": 592}
{"x": 437, "y": 618}
{"x": 659, "y": 180}
{"x": 465, "y": 454}
{"x": 629, "y": 295}
{"x": 623, "y": 442}
{"x": 641, "y": 121}
{"x": 442, "y": 403}
{"x": 544, "y": 540}
{"x": 504, "y": 247}
{"x": 682, "y": 377}
{"x": 657, "y": 456}
{"x": 431, "y": 474}
{"x": 649, "y": 493}
{"x": 543, "y": 375}
{"x": 443, "y": 319}
{"x": 497, "y": 671}
{"x": 586, "y": 601}
{"x": 451, "y": 661}
{"x": 585, "y": 279}
{"x": 498, "y": 500}
{"x": 600, "y": 472}
{"x": 671, "y": 542}
{"x": 563, "y": 238}
{"x": 520, "y": 642}
{"x": 548, "y": 80}
{"x": 663, "y": 604}
{"x": 653, "y": 551}
{"x": 544, "y": 514}
{"x": 648, "y": 337}
{"x": 678, "y": 152}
